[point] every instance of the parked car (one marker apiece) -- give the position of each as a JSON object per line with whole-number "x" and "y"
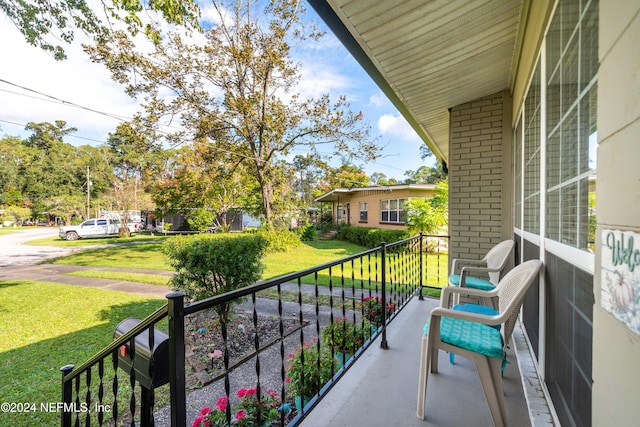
{"x": 94, "y": 227}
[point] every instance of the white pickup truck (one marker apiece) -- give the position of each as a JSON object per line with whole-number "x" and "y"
{"x": 94, "y": 227}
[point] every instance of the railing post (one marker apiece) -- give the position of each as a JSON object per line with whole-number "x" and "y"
{"x": 65, "y": 420}
{"x": 177, "y": 388}
{"x": 383, "y": 265}
{"x": 420, "y": 296}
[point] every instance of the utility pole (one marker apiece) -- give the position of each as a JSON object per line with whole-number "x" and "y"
{"x": 88, "y": 193}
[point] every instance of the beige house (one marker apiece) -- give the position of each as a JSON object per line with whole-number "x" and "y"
{"x": 379, "y": 206}
{"x": 534, "y": 106}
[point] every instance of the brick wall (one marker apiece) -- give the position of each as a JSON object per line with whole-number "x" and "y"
{"x": 479, "y": 196}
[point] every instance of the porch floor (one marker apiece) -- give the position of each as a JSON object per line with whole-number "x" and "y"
{"x": 380, "y": 389}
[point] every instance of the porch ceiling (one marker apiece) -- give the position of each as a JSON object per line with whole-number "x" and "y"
{"x": 428, "y": 56}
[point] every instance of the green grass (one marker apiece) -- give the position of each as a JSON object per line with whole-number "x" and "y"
{"x": 144, "y": 256}
{"x": 47, "y": 326}
{"x": 306, "y": 255}
{"x": 134, "y": 238}
{"x": 151, "y": 279}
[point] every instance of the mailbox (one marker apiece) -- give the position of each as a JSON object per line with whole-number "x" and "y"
{"x": 151, "y": 365}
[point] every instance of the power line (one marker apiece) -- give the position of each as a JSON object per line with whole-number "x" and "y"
{"x": 62, "y": 101}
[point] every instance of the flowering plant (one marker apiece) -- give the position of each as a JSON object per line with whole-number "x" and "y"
{"x": 372, "y": 310}
{"x": 343, "y": 335}
{"x": 244, "y": 413}
{"x": 309, "y": 369}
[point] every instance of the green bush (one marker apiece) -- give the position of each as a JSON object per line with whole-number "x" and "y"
{"x": 370, "y": 237}
{"x": 279, "y": 240}
{"x": 209, "y": 265}
{"x": 308, "y": 233}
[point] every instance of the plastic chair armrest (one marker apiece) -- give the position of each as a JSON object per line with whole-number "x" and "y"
{"x": 448, "y": 290}
{"x": 463, "y": 262}
{"x": 469, "y": 316}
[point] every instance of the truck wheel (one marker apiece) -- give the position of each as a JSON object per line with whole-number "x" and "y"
{"x": 72, "y": 235}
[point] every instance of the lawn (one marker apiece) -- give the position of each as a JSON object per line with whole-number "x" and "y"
{"x": 308, "y": 254}
{"x": 134, "y": 238}
{"x": 47, "y": 326}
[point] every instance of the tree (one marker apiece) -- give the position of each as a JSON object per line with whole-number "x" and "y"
{"x": 429, "y": 216}
{"x": 346, "y": 175}
{"x": 46, "y": 134}
{"x": 237, "y": 90}
{"x": 41, "y": 20}
{"x": 378, "y": 178}
{"x": 200, "y": 178}
{"x": 133, "y": 149}
{"x": 425, "y": 175}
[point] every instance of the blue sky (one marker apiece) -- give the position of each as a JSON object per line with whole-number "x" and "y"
{"x": 31, "y": 79}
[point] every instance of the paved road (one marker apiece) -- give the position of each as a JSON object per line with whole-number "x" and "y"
{"x": 20, "y": 261}
{"x": 14, "y": 251}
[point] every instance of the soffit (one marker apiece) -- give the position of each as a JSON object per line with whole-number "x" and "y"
{"x": 429, "y": 56}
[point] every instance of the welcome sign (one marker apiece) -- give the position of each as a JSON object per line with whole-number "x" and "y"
{"x": 620, "y": 279}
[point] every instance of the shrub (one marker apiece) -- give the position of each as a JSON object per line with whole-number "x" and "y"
{"x": 201, "y": 219}
{"x": 279, "y": 240}
{"x": 209, "y": 265}
{"x": 370, "y": 237}
{"x": 308, "y": 233}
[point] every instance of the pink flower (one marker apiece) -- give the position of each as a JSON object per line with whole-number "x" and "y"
{"x": 205, "y": 411}
{"x": 242, "y": 392}
{"x": 208, "y": 423}
{"x": 217, "y": 354}
{"x": 240, "y": 415}
{"x": 273, "y": 392}
{"x": 221, "y": 404}
{"x": 251, "y": 391}
{"x": 287, "y": 380}
{"x": 197, "y": 421}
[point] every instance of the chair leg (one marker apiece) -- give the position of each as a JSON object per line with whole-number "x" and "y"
{"x": 425, "y": 355}
{"x": 489, "y": 370}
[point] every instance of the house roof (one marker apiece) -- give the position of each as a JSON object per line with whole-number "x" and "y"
{"x": 429, "y": 56}
{"x": 334, "y": 195}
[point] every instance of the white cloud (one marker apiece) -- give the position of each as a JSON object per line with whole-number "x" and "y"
{"x": 76, "y": 80}
{"x": 395, "y": 126}
{"x": 379, "y": 100}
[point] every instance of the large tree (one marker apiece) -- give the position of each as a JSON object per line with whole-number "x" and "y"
{"x": 237, "y": 89}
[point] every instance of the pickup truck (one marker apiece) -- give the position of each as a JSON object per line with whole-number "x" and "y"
{"x": 94, "y": 227}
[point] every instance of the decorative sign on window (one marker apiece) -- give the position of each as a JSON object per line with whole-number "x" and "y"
{"x": 621, "y": 276}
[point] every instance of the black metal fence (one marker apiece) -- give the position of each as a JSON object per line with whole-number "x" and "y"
{"x": 274, "y": 322}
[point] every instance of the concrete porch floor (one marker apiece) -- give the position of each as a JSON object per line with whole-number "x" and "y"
{"x": 380, "y": 389}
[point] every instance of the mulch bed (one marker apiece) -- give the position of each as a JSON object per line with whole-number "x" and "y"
{"x": 204, "y": 346}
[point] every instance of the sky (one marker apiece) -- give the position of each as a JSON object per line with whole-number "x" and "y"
{"x": 36, "y": 88}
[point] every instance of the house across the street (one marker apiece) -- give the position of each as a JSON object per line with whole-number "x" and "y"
{"x": 378, "y": 206}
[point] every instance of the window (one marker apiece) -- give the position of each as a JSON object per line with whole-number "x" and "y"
{"x": 339, "y": 212}
{"x": 364, "y": 212}
{"x": 102, "y": 222}
{"x": 572, "y": 52}
{"x": 393, "y": 211}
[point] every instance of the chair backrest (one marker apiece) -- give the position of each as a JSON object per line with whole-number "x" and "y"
{"x": 511, "y": 292}
{"x": 498, "y": 257}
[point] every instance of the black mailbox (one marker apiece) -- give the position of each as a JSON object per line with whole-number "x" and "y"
{"x": 151, "y": 365}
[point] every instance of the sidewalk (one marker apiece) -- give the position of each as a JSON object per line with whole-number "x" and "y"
{"x": 56, "y": 273}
